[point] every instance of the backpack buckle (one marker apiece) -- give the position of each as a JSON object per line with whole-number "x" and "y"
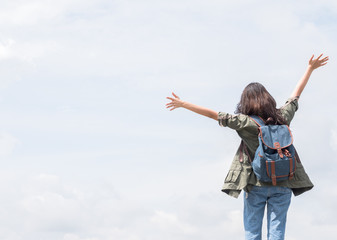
{"x": 278, "y": 148}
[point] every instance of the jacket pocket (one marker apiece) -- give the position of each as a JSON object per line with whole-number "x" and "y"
{"x": 233, "y": 176}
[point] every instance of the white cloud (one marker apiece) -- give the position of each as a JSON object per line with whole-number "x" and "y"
{"x": 233, "y": 225}
{"x": 7, "y": 144}
{"x": 70, "y": 236}
{"x": 170, "y": 223}
{"x": 52, "y": 212}
{"x": 26, "y": 13}
{"x": 101, "y": 159}
{"x": 5, "y": 49}
{"x": 51, "y": 206}
{"x": 16, "y": 60}
{"x": 333, "y": 139}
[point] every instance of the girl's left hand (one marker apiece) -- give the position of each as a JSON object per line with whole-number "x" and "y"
{"x": 175, "y": 102}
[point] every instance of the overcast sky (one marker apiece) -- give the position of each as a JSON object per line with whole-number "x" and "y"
{"x": 88, "y": 150}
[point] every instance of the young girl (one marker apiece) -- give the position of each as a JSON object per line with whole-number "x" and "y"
{"x": 256, "y": 100}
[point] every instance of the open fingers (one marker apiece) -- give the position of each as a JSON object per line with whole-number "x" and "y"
{"x": 312, "y": 57}
{"x": 317, "y": 62}
{"x": 171, "y": 107}
{"x": 172, "y": 99}
{"x": 323, "y": 63}
{"x": 171, "y": 104}
{"x": 324, "y": 59}
{"x": 175, "y": 95}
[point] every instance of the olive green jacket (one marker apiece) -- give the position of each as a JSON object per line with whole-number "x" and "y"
{"x": 241, "y": 175}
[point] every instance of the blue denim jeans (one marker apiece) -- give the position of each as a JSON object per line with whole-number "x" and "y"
{"x": 277, "y": 200}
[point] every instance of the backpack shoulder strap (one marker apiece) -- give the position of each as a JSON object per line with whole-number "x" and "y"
{"x": 243, "y": 149}
{"x": 257, "y": 120}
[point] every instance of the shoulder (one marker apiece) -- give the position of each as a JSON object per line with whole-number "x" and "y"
{"x": 235, "y": 121}
{"x": 289, "y": 108}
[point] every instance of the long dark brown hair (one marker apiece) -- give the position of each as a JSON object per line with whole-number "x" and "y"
{"x": 256, "y": 100}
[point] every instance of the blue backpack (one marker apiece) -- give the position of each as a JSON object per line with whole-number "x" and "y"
{"x": 275, "y": 158}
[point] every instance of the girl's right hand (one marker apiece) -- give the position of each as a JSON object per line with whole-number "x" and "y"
{"x": 317, "y": 62}
{"x": 175, "y": 102}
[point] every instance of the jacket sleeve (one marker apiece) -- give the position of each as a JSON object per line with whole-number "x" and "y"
{"x": 289, "y": 109}
{"x": 236, "y": 122}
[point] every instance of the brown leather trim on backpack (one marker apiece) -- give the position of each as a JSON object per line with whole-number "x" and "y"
{"x": 255, "y": 121}
{"x": 291, "y": 161}
{"x": 295, "y": 165}
{"x": 278, "y": 148}
{"x": 273, "y": 173}
{"x": 246, "y": 150}
{"x": 243, "y": 148}
{"x": 297, "y": 157}
{"x": 275, "y": 148}
{"x": 241, "y": 152}
{"x": 267, "y": 168}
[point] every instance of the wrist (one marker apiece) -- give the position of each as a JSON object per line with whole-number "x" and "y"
{"x": 310, "y": 68}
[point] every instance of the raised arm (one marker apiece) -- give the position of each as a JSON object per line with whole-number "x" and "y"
{"x": 313, "y": 64}
{"x": 176, "y": 102}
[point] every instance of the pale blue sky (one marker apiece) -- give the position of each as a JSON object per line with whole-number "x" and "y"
{"x": 88, "y": 150}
